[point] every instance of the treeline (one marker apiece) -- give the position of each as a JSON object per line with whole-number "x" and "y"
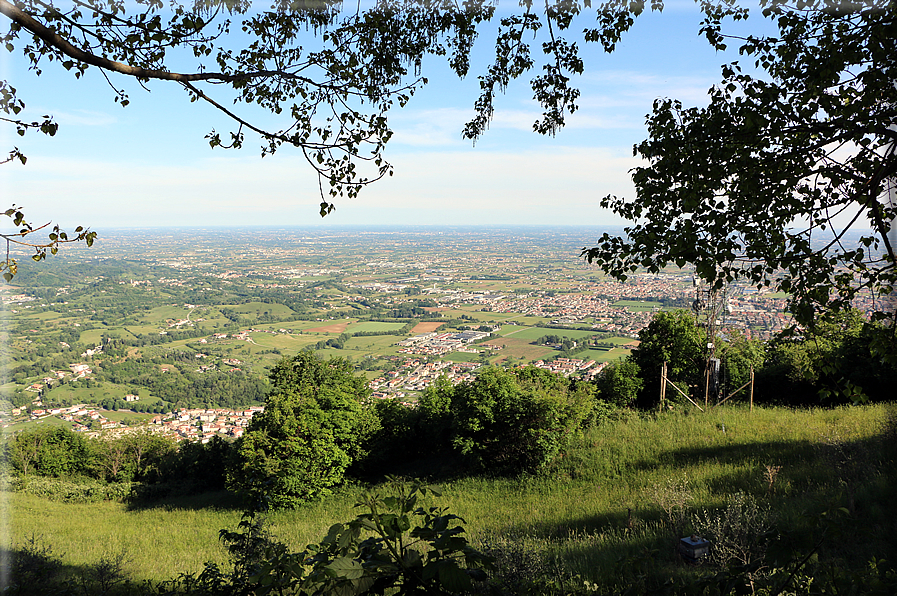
{"x": 160, "y": 465}
{"x": 187, "y": 388}
{"x": 839, "y": 360}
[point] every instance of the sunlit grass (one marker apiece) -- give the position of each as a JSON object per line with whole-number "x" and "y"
{"x": 578, "y": 512}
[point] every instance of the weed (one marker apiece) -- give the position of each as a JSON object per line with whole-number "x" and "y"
{"x": 33, "y": 565}
{"x": 674, "y": 497}
{"x": 106, "y": 574}
{"x": 771, "y": 474}
{"x": 739, "y": 534}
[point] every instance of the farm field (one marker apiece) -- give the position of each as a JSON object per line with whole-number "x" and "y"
{"x": 426, "y": 327}
{"x": 518, "y": 348}
{"x": 638, "y": 305}
{"x": 375, "y": 326}
{"x": 533, "y": 333}
{"x": 603, "y": 355}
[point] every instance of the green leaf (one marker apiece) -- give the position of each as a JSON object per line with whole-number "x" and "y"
{"x": 346, "y": 568}
{"x": 453, "y": 578}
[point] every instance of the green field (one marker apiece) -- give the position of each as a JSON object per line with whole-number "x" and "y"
{"x": 533, "y": 333}
{"x": 374, "y": 343}
{"x": 260, "y": 308}
{"x": 143, "y": 329}
{"x": 461, "y": 357}
{"x": 292, "y": 343}
{"x": 374, "y": 326}
{"x": 164, "y": 313}
{"x": 575, "y": 513}
{"x": 101, "y": 391}
{"x": 519, "y": 348}
{"x": 603, "y": 355}
{"x": 95, "y": 336}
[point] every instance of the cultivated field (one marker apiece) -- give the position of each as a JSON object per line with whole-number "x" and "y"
{"x": 426, "y": 327}
{"x": 519, "y": 348}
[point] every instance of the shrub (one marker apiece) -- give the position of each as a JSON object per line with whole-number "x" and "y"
{"x": 739, "y": 533}
{"x": 508, "y": 422}
{"x": 316, "y": 423}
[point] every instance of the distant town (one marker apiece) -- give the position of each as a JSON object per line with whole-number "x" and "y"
{"x": 178, "y": 329}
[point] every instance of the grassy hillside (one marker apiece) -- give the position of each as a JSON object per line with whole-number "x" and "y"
{"x": 794, "y": 464}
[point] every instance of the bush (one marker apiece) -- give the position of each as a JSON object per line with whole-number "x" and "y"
{"x": 317, "y": 422}
{"x": 508, "y": 422}
{"x": 739, "y": 534}
{"x": 82, "y": 490}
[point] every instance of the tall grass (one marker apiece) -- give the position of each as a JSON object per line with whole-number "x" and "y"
{"x": 607, "y": 498}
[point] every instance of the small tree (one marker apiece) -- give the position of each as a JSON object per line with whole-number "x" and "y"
{"x": 513, "y": 421}
{"x": 620, "y": 383}
{"x": 316, "y": 423}
{"x": 671, "y": 337}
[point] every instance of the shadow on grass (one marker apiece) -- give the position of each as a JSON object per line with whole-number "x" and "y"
{"x": 842, "y": 490}
{"x": 170, "y": 500}
{"x": 32, "y": 568}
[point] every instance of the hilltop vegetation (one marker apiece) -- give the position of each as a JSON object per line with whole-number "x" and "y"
{"x": 603, "y": 519}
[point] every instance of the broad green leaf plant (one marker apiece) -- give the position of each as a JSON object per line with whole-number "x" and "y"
{"x": 395, "y": 546}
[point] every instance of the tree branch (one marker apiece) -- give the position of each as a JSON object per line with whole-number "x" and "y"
{"x": 54, "y": 40}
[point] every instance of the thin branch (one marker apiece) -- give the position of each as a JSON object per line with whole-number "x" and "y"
{"x": 54, "y": 40}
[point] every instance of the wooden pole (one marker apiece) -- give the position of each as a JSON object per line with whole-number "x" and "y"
{"x": 752, "y": 389}
{"x": 663, "y": 385}
{"x": 707, "y": 383}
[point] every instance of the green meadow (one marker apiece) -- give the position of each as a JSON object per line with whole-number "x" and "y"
{"x": 163, "y": 313}
{"x": 599, "y": 355}
{"x": 534, "y": 333}
{"x": 802, "y": 466}
{"x": 260, "y": 308}
{"x": 96, "y": 393}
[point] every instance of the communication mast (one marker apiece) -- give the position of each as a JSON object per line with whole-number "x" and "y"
{"x": 710, "y": 307}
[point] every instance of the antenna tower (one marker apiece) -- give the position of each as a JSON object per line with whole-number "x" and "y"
{"x": 710, "y": 308}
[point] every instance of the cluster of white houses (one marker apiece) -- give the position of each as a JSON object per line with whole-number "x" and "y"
{"x": 201, "y": 424}
{"x": 569, "y": 366}
{"x": 437, "y": 344}
{"x": 415, "y": 375}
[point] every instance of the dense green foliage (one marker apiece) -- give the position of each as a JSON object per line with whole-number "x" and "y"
{"x": 620, "y": 383}
{"x": 316, "y": 424}
{"x": 835, "y": 360}
{"x": 841, "y": 358}
{"x": 671, "y": 337}
{"x": 511, "y": 421}
{"x": 142, "y": 464}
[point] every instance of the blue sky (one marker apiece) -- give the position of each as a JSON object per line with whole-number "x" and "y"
{"x": 149, "y": 165}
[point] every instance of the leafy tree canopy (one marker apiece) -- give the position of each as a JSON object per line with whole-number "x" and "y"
{"x": 316, "y": 423}
{"x": 517, "y": 421}
{"x": 746, "y": 188}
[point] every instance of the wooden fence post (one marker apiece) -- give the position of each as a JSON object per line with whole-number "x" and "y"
{"x": 663, "y": 385}
{"x": 752, "y": 389}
